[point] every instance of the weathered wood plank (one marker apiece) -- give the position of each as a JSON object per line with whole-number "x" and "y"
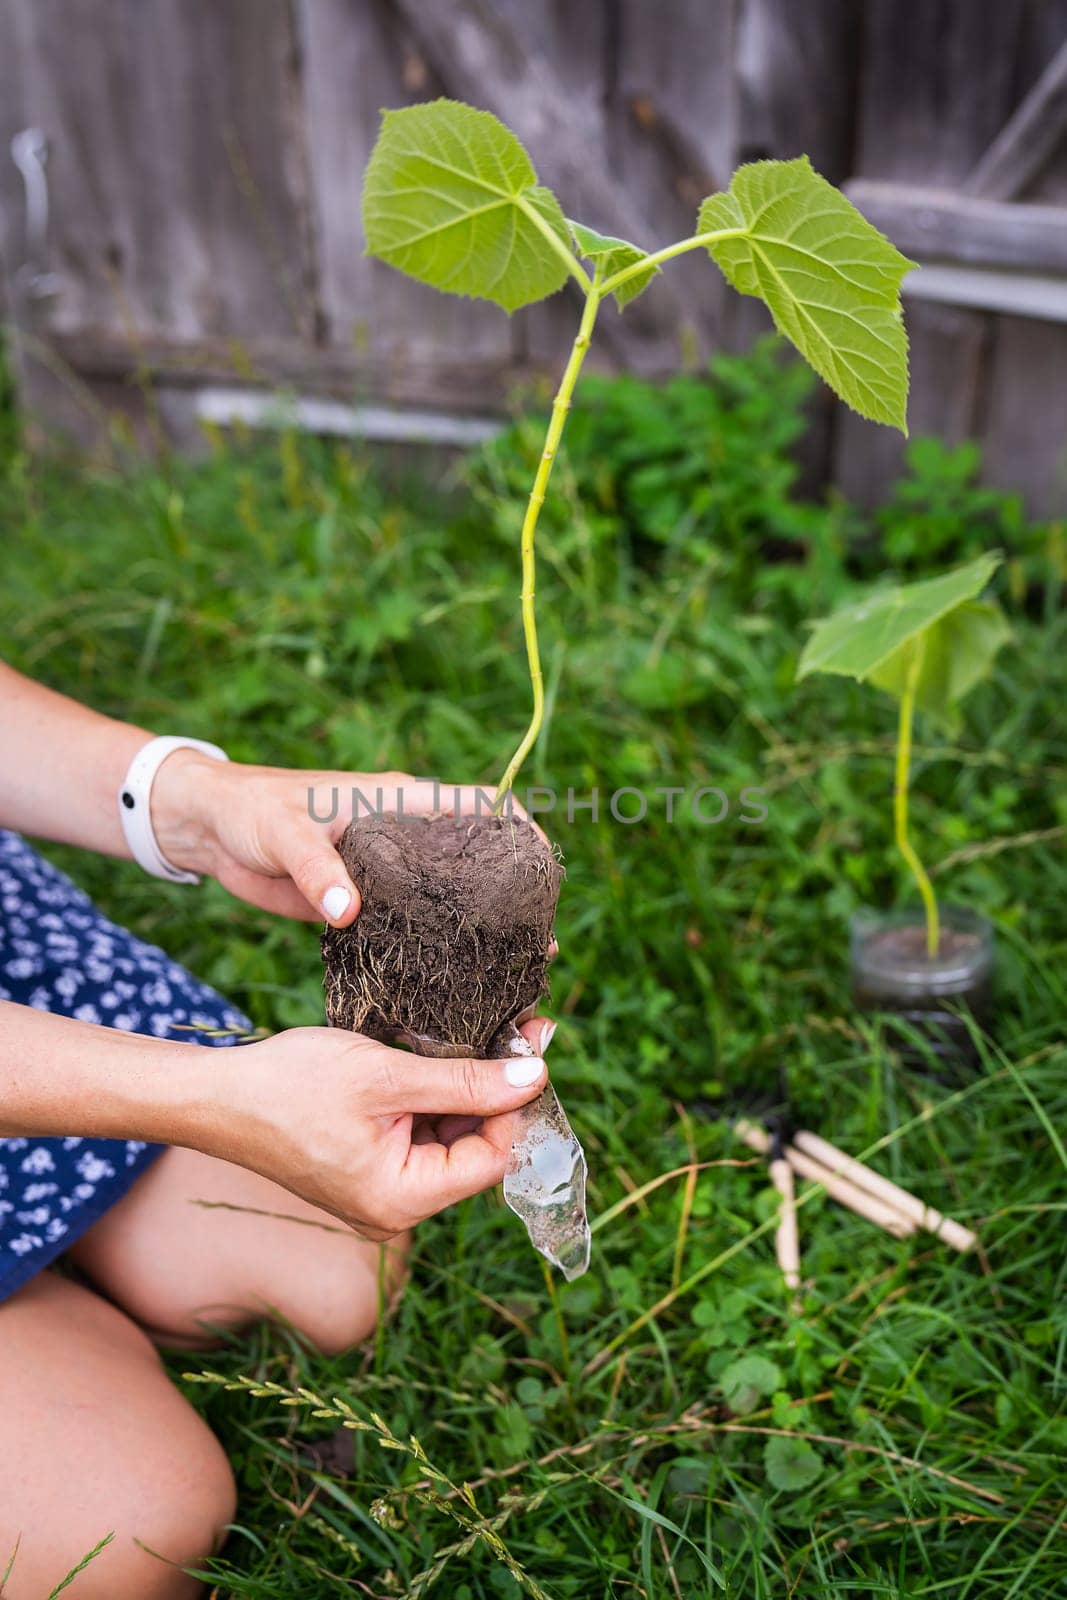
{"x": 573, "y": 43}
{"x": 1042, "y": 36}
{"x": 1023, "y": 294}
{"x": 357, "y": 58}
{"x": 1025, "y": 432}
{"x": 1024, "y": 429}
{"x": 936, "y": 90}
{"x": 521, "y": 63}
{"x": 937, "y": 86}
{"x": 43, "y": 393}
{"x": 11, "y": 120}
{"x": 671, "y": 131}
{"x": 1027, "y": 139}
{"x": 795, "y": 70}
{"x": 478, "y": 48}
{"x": 461, "y": 380}
{"x": 175, "y": 205}
{"x": 207, "y": 162}
{"x": 941, "y": 225}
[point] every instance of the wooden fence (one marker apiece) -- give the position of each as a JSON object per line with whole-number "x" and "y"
{"x": 195, "y": 228}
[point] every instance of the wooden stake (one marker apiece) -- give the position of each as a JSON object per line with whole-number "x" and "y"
{"x": 838, "y": 1188}
{"x": 924, "y": 1216}
{"x": 786, "y": 1240}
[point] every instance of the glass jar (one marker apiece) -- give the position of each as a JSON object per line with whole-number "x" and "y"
{"x": 892, "y": 974}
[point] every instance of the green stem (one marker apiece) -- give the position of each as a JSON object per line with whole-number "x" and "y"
{"x": 595, "y": 292}
{"x": 566, "y": 255}
{"x": 667, "y": 254}
{"x": 900, "y": 801}
{"x": 560, "y": 407}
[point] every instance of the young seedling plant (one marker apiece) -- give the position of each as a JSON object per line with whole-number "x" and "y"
{"x": 927, "y": 644}
{"x": 451, "y": 944}
{"x": 451, "y": 198}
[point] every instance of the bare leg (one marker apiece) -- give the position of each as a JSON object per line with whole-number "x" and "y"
{"x": 94, "y": 1438}
{"x": 182, "y": 1268}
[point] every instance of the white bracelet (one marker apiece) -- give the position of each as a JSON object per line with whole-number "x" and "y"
{"x": 135, "y": 804}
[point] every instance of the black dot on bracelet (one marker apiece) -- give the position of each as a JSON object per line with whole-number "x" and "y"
{"x": 127, "y": 800}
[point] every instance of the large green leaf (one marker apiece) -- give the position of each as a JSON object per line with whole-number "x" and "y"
{"x": 958, "y": 652}
{"x": 614, "y": 255}
{"x": 875, "y": 639}
{"x": 450, "y": 197}
{"x": 830, "y": 280}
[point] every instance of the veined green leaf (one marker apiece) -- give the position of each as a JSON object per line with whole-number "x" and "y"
{"x": 958, "y": 652}
{"x": 861, "y": 636}
{"x": 451, "y": 198}
{"x": 830, "y": 280}
{"x": 614, "y": 255}
{"x": 875, "y": 639}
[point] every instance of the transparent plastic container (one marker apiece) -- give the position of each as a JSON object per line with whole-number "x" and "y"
{"x": 892, "y": 974}
{"x": 545, "y": 1179}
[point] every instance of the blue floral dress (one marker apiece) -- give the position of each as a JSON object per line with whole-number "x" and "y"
{"x": 58, "y": 953}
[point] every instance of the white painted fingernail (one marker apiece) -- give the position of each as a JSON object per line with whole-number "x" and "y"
{"x": 335, "y": 902}
{"x": 546, "y": 1035}
{"x": 521, "y": 1072}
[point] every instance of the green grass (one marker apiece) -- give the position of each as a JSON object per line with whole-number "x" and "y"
{"x": 903, "y": 1433}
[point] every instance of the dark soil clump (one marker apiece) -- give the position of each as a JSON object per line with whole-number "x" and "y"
{"x": 906, "y": 946}
{"x": 451, "y": 943}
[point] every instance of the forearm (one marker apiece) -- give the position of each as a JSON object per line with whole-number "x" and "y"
{"x": 60, "y": 1077}
{"x": 61, "y": 765}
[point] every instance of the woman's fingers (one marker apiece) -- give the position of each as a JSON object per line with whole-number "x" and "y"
{"x": 423, "y": 1084}
{"x": 302, "y": 851}
{"x": 437, "y": 1175}
{"x": 278, "y": 895}
{"x": 452, "y": 1089}
{"x": 537, "y": 1031}
{"x": 444, "y": 1130}
{"x": 273, "y": 832}
{"x": 452, "y": 1127}
{"x": 339, "y": 797}
{"x": 393, "y": 793}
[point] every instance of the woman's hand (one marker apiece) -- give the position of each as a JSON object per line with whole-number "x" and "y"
{"x": 267, "y": 833}
{"x": 255, "y": 828}
{"x": 380, "y": 1138}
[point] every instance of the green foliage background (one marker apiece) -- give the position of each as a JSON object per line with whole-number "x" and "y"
{"x": 307, "y": 603}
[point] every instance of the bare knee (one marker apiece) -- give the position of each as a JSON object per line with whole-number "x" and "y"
{"x": 223, "y": 1270}
{"x": 338, "y": 1305}
{"x": 165, "y": 1508}
{"x": 134, "y": 1461}
{"x": 185, "y": 1521}
{"x": 169, "y": 1513}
